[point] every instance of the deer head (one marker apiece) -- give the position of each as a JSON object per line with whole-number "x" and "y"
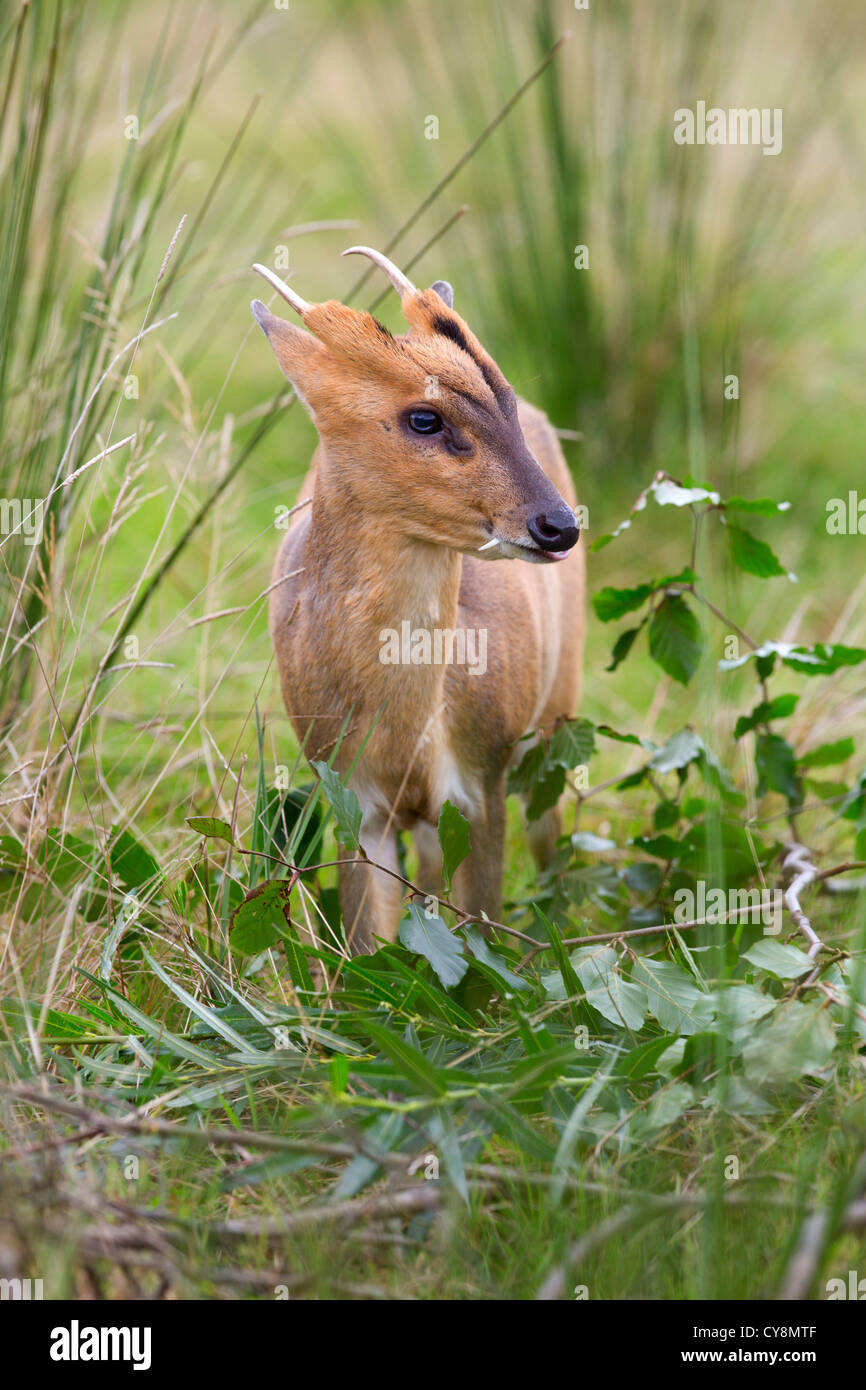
{"x": 420, "y": 430}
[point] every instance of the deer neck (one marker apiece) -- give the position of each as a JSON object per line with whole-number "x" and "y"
{"x": 369, "y": 579}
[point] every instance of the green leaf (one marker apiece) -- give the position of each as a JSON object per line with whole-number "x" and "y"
{"x": 563, "y": 983}
{"x": 753, "y": 555}
{"x": 777, "y": 766}
{"x": 665, "y": 815}
{"x": 620, "y": 1001}
{"x": 680, "y": 750}
{"x": 130, "y": 861}
{"x": 821, "y": 660}
{"x": 454, "y": 840}
{"x": 778, "y": 708}
{"x": 828, "y": 754}
{"x": 661, "y": 846}
{"x": 345, "y": 805}
{"x": 608, "y": 732}
{"x": 785, "y": 961}
{"x": 380, "y": 1137}
{"x": 429, "y": 937}
{"x": 610, "y": 604}
{"x": 572, "y": 744}
{"x": 672, "y": 995}
{"x": 757, "y": 506}
{"x": 675, "y": 639}
{"x": 523, "y": 777}
{"x": 212, "y": 827}
{"x": 482, "y": 953}
{"x": 797, "y": 1038}
{"x": 413, "y": 1065}
{"x": 260, "y": 921}
{"x": 741, "y": 1004}
{"x": 546, "y": 792}
{"x": 640, "y": 1060}
{"x": 643, "y": 878}
{"x": 621, "y": 648}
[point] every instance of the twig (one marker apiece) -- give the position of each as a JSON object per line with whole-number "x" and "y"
{"x": 798, "y": 861}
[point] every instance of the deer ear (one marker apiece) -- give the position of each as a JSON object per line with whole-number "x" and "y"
{"x": 300, "y": 355}
{"x": 444, "y": 291}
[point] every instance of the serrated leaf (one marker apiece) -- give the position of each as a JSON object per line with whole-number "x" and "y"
{"x": 429, "y": 937}
{"x": 572, "y": 744}
{"x": 675, "y": 639}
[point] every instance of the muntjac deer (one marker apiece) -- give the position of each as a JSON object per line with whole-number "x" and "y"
{"x": 428, "y": 467}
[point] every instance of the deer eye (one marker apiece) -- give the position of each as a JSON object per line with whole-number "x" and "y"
{"x": 425, "y": 421}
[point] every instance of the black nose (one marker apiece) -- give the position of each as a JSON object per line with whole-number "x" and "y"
{"x": 555, "y": 530}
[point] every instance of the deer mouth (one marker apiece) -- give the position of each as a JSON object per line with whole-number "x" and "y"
{"x": 498, "y": 548}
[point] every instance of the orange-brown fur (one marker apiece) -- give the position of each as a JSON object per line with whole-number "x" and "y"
{"x": 394, "y": 533}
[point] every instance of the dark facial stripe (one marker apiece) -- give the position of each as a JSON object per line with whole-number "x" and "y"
{"x": 449, "y": 329}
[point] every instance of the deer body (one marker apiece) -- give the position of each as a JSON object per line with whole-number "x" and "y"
{"x": 398, "y": 540}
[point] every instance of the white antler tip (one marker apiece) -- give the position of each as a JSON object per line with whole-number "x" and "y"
{"x": 402, "y": 284}
{"x": 299, "y": 305}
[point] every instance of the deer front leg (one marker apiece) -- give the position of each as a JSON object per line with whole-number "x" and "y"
{"x": 478, "y": 880}
{"x": 370, "y": 901}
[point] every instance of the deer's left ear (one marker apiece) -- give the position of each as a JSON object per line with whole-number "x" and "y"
{"x": 301, "y": 357}
{"x": 444, "y": 291}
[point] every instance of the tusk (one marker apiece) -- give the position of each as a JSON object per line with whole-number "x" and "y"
{"x": 299, "y": 305}
{"x": 401, "y": 283}
{"x": 488, "y": 544}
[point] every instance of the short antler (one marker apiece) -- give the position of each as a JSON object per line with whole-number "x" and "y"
{"x": 401, "y": 283}
{"x": 298, "y": 304}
